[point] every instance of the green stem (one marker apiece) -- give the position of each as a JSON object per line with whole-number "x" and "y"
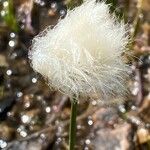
{"x": 72, "y": 130}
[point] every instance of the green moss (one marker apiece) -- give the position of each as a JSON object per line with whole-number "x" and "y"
{"x": 9, "y": 17}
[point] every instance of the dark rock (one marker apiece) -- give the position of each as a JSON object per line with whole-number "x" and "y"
{"x": 144, "y": 61}
{"x": 36, "y": 141}
{"x": 119, "y": 138}
{"x": 5, "y": 105}
{"x": 26, "y": 146}
{"x": 6, "y": 132}
{"x": 110, "y": 132}
{"x": 105, "y": 117}
{"x": 3, "y": 41}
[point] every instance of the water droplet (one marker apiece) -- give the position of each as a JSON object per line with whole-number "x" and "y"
{"x": 86, "y": 148}
{"x": 43, "y": 136}
{"x": 19, "y": 94}
{"x": 54, "y": 5}
{"x": 90, "y": 122}
{"x": 87, "y": 141}
{"x": 9, "y": 114}
{"x": 27, "y": 104}
{"x": 147, "y": 125}
{"x": 122, "y": 108}
{"x": 9, "y": 72}
{"x": 135, "y": 120}
{"x": 59, "y": 129}
{"x": 39, "y": 97}
{"x": 135, "y": 91}
{"x": 3, "y": 13}
{"x": 141, "y": 16}
{"x": 12, "y": 35}
{"x": 40, "y": 2}
{"x": 58, "y": 140}
{"x": 14, "y": 55}
{"x": 34, "y": 80}
{"x": 5, "y": 4}
{"x": 3, "y": 144}
{"x": 94, "y": 102}
{"x": 136, "y": 83}
{"x": 11, "y": 43}
{"x": 48, "y": 109}
{"x": 62, "y": 12}
{"x": 22, "y": 27}
{"x": 79, "y": 127}
{"x": 25, "y": 119}
{"x": 133, "y": 107}
{"x": 23, "y": 133}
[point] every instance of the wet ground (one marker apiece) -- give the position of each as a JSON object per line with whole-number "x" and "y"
{"x": 34, "y": 117}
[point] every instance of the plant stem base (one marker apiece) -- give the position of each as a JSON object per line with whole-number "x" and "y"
{"x": 72, "y": 130}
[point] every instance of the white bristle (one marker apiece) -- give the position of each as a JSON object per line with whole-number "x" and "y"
{"x": 82, "y": 54}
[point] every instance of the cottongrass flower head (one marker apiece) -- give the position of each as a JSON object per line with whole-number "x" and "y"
{"x": 81, "y": 55}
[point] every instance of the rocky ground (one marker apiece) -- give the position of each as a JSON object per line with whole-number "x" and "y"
{"x": 34, "y": 117}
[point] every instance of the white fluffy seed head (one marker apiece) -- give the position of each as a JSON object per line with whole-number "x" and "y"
{"x": 82, "y": 54}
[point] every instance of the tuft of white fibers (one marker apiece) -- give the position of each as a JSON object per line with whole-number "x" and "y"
{"x": 82, "y": 54}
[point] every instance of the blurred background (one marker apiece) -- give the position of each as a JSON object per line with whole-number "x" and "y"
{"x": 35, "y": 118}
